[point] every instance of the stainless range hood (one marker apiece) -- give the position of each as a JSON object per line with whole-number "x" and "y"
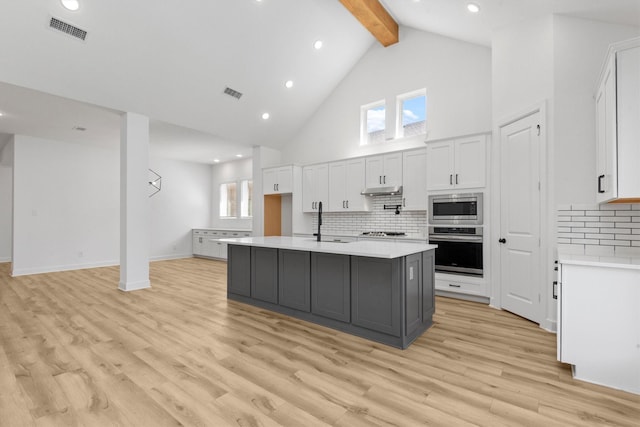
{"x": 382, "y": 191}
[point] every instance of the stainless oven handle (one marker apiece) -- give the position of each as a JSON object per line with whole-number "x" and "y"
{"x": 470, "y": 239}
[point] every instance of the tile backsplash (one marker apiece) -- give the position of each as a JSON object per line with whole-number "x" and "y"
{"x": 414, "y": 223}
{"x": 599, "y": 229}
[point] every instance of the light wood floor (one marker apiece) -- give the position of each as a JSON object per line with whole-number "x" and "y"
{"x": 76, "y": 351}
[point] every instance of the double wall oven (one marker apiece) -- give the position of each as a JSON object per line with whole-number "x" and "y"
{"x": 456, "y": 227}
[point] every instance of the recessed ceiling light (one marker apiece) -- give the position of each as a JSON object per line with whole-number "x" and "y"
{"x": 265, "y": 116}
{"x": 216, "y": 160}
{"x": 473, "y": 8}
{"x": 1, "y": 114}
{"x": 238, "y": 155}
{"x": 317, "y": 44}
{"x": 71, "y": 4}
{"x": 288, "y": 84}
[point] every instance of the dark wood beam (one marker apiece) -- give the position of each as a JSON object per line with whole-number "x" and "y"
{"x": 375, "y": 18}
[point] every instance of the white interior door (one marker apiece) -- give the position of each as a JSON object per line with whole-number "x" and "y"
{"x": 520, "y": 263}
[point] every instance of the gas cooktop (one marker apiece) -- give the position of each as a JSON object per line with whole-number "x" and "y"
{"x": 383, "y": 233}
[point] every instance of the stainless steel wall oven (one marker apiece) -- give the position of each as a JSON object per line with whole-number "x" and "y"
{"x": 459, "y": 249}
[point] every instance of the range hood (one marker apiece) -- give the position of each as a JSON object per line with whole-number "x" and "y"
{"x": 382, "y": 191}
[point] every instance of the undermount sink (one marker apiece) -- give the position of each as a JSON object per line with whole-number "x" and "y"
{"x": 331, "y": 240}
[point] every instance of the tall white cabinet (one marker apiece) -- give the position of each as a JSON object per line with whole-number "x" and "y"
{"x": 414, "y": 180}
{"x": 456, "y": 164}
{"x": 618, "y": 124}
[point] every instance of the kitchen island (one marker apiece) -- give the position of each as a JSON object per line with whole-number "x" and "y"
{"x": 382, "y": 291}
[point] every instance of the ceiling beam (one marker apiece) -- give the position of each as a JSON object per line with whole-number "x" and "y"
{"x": 375, "y": 18}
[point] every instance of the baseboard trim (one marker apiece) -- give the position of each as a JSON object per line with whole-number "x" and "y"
{"x": 466, "y": 297}
{"x": 5, "y": 259}
{"x": 57, "y": 268}
{"x": 169, "y": 257}
{"x": 134, "y": 286}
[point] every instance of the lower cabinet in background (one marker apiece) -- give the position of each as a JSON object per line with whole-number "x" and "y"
{"x": 206, "y": 242}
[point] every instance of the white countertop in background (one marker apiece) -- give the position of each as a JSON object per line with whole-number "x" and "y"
{"x": 613, "y": 261}
{"x": 367, "y": 248}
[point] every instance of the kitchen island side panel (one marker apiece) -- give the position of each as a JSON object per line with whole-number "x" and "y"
{"x": 294, "y": 279}
{"x": 331, "y": 286}
{"x": 428, "y": 286}
{"x": 264, "y": 274}
{"x": 414, "y": 293}
{"x": 375, "y": 294}
{"x": 238, "y": 270}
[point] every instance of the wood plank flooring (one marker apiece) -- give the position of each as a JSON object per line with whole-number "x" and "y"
{"x": 77, "y": 351}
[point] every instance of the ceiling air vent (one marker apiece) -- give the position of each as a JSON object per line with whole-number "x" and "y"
{"x": 232, "y": 92}
{"x": 76, "y": 32}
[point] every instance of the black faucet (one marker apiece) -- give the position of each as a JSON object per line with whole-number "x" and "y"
{"x": 318, "y": 236}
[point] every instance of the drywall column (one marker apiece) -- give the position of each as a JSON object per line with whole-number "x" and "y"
{"x": 134, "y": 202}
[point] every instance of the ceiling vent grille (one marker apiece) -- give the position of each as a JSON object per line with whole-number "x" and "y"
{"x": 233, "y": 93}
{"x": 59, "y": 25}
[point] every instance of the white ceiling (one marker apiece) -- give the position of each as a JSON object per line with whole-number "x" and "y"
{"x": 172, "y": 60}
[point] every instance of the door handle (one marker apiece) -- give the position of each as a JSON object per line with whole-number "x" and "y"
{"x": 502, "y": 240}
{"x": 600, "y": 178}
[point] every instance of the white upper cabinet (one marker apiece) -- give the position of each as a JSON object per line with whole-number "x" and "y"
{"x": 315, "y": 187}
{"x": 414, "y": 179}
{"x": 277, "y": 180}
{"x": 346, "y": 181}
{"x": 384, "y": 170}
{"x": 618, "y": 124}
{"x": 457, "y": 164}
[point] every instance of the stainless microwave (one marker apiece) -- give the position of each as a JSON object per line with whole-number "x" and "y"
{"x": 455, "y": 209}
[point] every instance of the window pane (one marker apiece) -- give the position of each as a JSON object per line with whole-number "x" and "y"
{"x": 414, "y": 116}
{"x": 228, "y": 197}
{"x": 246, "y": 201}
{"x": 376, "y": 124}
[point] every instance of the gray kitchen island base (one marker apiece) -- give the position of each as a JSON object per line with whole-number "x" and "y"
{"x": 387, "y": 300}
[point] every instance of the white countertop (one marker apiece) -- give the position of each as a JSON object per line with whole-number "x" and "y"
{"x": 612, "y": 261}
{"x": 368, "y": 248}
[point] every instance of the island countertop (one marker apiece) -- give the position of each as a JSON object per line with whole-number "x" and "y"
{"x": 374, "y": 249}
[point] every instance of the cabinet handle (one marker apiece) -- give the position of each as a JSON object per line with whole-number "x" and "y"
{"x": 454, "y": 286}
{"x": 347, "y": 204}
{"x": 450, "y": 179}
{"x": 343, "y": 206}
{"x": 502, "y": 240}
{"x": 200, "y": 239}
{"x": 379, "y": 179}
{"x": 384, "y": 179}
{"x": 456, "y": 179}
{"x": 404, "y": 204}
{"x": 274, "y": 187}
{"x": 600, "y": 178}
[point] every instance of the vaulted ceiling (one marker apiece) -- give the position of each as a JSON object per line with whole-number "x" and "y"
{"x": 173, "y": 60}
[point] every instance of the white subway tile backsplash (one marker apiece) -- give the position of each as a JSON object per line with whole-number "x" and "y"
{"x": 599, "y": 229}
{"x": 631, "y": 251}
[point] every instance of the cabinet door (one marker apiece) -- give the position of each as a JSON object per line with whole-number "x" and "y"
{"x": 222, "y": 250}
{"x": 322, "y": 185}
{"x": 309, "y": 188}
{"x": 374, "y": 171}
{"x": 330, "y": 286}
{"x": 284, "y": 183}
{"x": 198, "y": 243}
{"x": 414, "y": 181}
{"x": 294, "y": 279}
{"x": 238, "y": 275}
{"x": 264, "y": 274}
{"x": 375, "y": 294}
{"x": 628, "y": 122}
{"x": 337, "y": 174}
{"x": 353, "y": 184}
{"x": 269, "y": 179}
{"x": 606, "y": 185}
{"x": 440, "y": 166}
{"x": 428, "y": 286}
{"x": 392, "y": 174}
{"x": 470, "y": 160}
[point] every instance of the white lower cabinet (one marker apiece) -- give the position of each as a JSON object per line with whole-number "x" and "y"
{"x": 206, "y": 243}
{"x": 599, "y": 324}
{"x": 461, "y": 284}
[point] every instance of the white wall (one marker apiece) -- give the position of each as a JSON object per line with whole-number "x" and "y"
{"x": 183, "y": 203}
{"x": 456, "y": 74}
{"x": 229, "y": 172}
{"x": 66, "y": 206}
{"x": 580, "y": 47}
{"x": 6, "y": 197}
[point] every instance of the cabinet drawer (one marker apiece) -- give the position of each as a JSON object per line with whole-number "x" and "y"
{"x": 460, "y": 287}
